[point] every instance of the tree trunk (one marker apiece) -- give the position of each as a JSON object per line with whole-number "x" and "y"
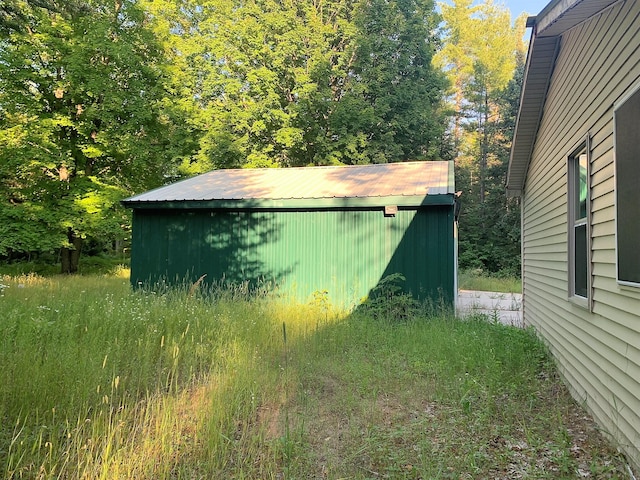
{"x": 484, "y": 148}
{"x": 70, "y": 256}
{"x": 457, "y": 116}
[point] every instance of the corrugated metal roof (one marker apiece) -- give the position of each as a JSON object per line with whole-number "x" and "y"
{"x": 358, "y": 181}
{"x": 556, "y": 18}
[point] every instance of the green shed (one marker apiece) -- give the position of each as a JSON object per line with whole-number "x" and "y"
{"x": 311, "y": 229}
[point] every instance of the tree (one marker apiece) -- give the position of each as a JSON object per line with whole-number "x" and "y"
{"x": 83, "y": 123}
{"x": 456, "y": 58}
{"x": 285, "y": 83}
{"x": 395, "y": 46}
{"x": 494, "y": 62}
{"x": 490, "y": 231}
{"x": 15, "y": 14}
{"x": 103, "y": 98}
{"x": 482, "y": 51}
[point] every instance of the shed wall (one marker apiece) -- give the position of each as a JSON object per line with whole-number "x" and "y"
{"x": 345, "y": 252}
{"x": 599, "y": 351}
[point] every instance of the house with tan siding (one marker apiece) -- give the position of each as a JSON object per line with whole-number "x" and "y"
{"x": 575, "y": 164}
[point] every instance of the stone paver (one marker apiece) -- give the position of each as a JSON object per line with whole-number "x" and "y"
{"x": 505, "y": 308}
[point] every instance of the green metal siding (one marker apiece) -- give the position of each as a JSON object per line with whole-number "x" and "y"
{"x": 345, "y": 252}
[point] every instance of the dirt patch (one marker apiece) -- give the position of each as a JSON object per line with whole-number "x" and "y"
{"x": 269, "y": 418}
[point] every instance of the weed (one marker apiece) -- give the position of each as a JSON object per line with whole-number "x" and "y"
{"x": 98, "y": 381}
{"x": 389, "y": 302}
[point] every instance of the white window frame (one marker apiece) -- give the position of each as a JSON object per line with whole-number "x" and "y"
{"x": 574, "y": 223}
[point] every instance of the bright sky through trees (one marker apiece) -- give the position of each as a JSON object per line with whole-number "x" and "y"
{"x": 532, "y": 7}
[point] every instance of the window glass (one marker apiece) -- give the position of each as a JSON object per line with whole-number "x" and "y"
{"x": 627, "y": 155}
{"x": 579, "y": 258}
{"x": 581, "y": 186}
{"x": 581, "y": 261}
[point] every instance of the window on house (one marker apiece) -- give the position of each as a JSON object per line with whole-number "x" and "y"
{"x": 579, "y": 261}
{"x": 627, "y": 163}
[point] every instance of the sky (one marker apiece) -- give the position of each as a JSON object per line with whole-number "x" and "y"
{"x": 532, "y": 7}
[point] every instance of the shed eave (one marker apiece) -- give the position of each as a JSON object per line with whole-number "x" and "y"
{"x": 405, "y": 201}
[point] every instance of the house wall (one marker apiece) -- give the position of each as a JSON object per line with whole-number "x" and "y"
{"x": 598, "y": 351}
{"x": 345, "y": 252}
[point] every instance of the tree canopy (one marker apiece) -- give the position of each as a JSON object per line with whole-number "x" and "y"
{"x": 306, "y": 82}
{"x": 83, "y": 124}
{"x": 105, "y": 98}
{"x": 483, "y": 56}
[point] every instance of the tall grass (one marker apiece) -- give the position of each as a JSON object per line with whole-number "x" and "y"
{"x": 101, "y": 382}
{"x": 440, "y": 398}
{"x": 479, "y": 280}
{"x": 49, "y": 265}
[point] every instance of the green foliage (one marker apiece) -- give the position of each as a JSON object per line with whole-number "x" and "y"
{"x": 97, "y": 381}
{"x": 400, "y": 91}
{"x": 489, "y": 237}
{"x": 99, "y": 100}
{"x": 84, "y": 123}
{"x": 47, "y": 266}
{"x": 389, "y": 302}
{"x": 483, "y": 55}
{"x": 15, "y": 14}
{"x": 305, "y": 83}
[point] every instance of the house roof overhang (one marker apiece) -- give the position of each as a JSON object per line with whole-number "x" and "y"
{"x": 556, "y": 18}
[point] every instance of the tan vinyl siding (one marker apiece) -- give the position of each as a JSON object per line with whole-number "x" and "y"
{"x": 599, "y": 351}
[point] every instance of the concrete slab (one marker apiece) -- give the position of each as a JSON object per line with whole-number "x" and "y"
{"x": 505, "y": 308}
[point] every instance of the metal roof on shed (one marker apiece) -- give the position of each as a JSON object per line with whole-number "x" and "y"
{"x": 405, "y": 179}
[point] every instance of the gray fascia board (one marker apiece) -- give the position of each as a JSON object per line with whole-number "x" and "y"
{"x": 560, "y": 16}
{"x": 539, "y": 71}
{"x": 548, "y": 27}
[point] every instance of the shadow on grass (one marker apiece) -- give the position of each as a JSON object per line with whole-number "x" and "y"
{"x": 198, "y": 384}
{"x": 435, "y": 397}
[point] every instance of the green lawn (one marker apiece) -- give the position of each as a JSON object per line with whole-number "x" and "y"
{"x": 97, "y": 381}
{"x": 474, "y": 280}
